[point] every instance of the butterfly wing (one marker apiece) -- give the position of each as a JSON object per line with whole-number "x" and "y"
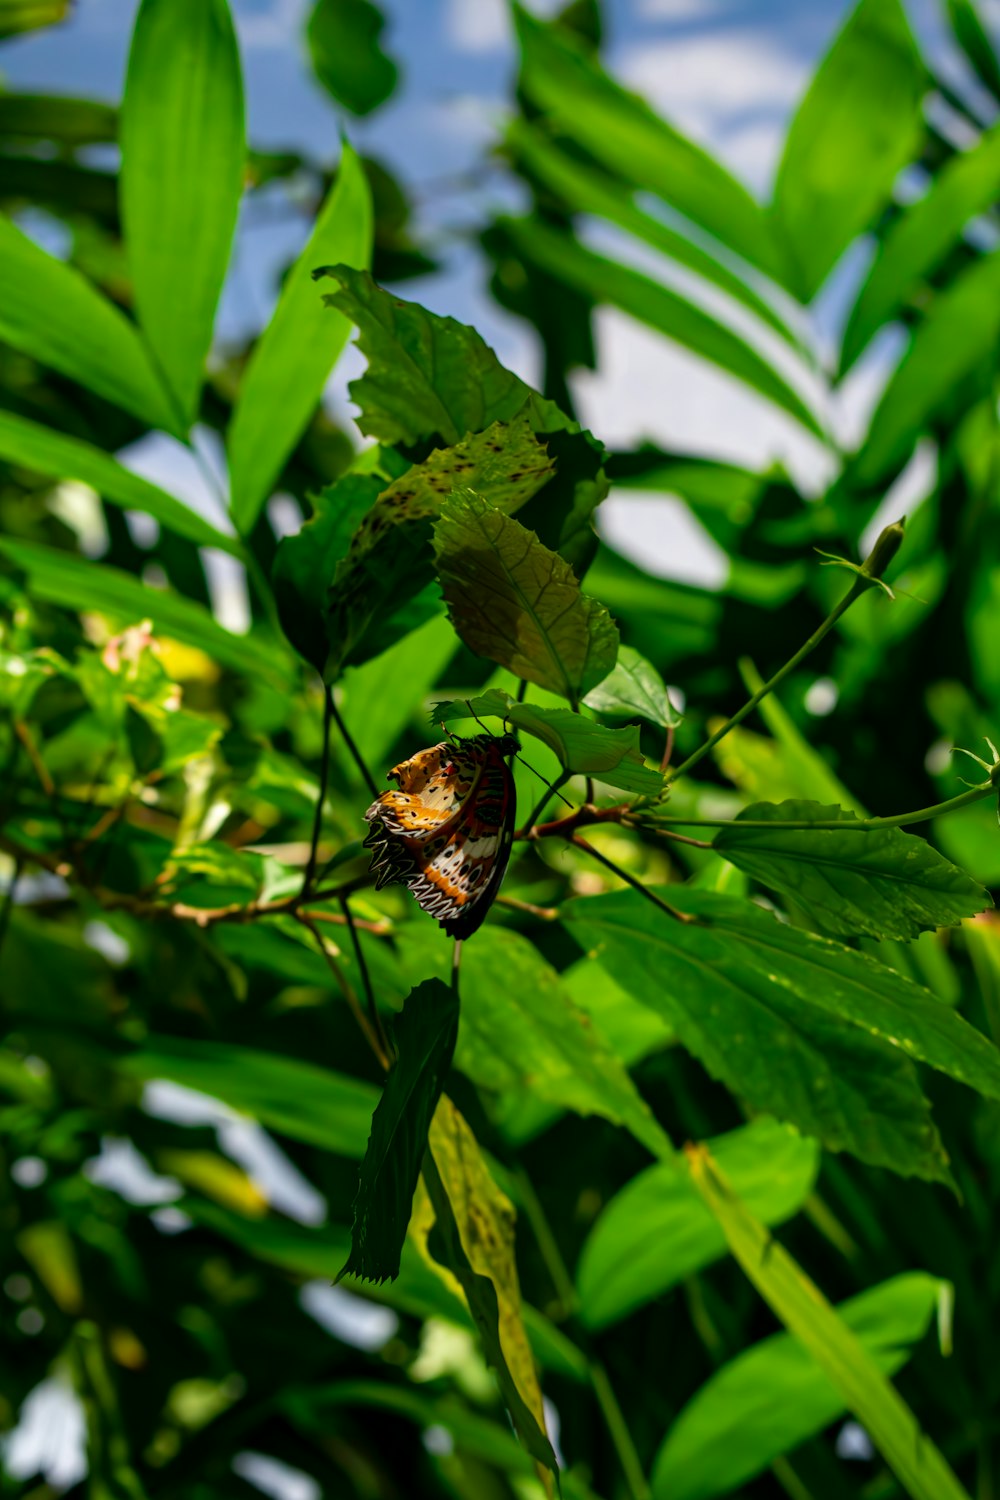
{"x": 454, "y": 865}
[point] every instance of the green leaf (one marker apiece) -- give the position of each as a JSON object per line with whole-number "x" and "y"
{"x": 588, "y": 190}
{"x": 919, "y": 241}
{"x": 49, "y": 117}
{"x": 389, "y": 559}
{"x": 52, "y": 314}
{"x": 521, "y": 1030}
{"x": 562, "y": 79}
{"x": 634, "y": 688}
{"x": 302, "y": 1101}
{"x": 519, "y": 604}
{"x": 973, "y": 38}
{"x": 17, "y": 16}
{"x": 855, "y": 130}
{"x": 181, "y": 179}
{"x": 427, "y": 376}
{"x": 377, "y": 712}
{"x": 608, "y": 281}
{"x": 879, "y": 881}
{"x": 656, "y": 1231}
{"x": 836, "y": 1349}
{"x": 343, "y": 37}
{"x": 583, "y": 747}
{"x": 958, "y": 333}
{"x": 33, "y": 446}
{"x": 424, "y": 1033}
{"x": 292, "y": 360}
{"x": 474, "y": 1238}
{"x": 304, "y": 564}
{"x": 78, "y": 583}
{"x": 795, "y": 1025}
{"x": 774, "y": 1395}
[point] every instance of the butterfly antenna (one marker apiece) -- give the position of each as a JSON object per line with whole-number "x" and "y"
{"x": 531, "y": 768}
{"x": 477, "y": 718}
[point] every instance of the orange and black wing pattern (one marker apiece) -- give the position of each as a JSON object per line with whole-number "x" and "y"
{"x": 446, "y": 830}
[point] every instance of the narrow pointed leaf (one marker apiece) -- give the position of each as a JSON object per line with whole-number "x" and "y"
{"x": 74, "y": 582}
{"x": 628, "y": 138}
{"x": 832, "y": 1344}
{"x": 958, "y": 333}
{"x": 854, "y": 131}
{"x": 881, "y": 881}
{"x": 973, "y": 38}
{"x": 291, "y": 363}
{"x": 656, "y": 1231}
{"x": 51, "y": 313}
{"x": 43, "y": 449}
{"x": 775, "y": 1395}
{"x": 181, "y": 178}
{"x": 425, "y": 1033}
{"x": 921, "y": 238}
{"x": 657, "y": 305}
{"x": 519, "y": 604}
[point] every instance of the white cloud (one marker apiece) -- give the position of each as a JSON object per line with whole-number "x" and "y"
{"x": 274, "y": 24}
{"x": 477, "y": 25}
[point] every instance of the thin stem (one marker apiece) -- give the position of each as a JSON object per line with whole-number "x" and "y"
{"x": 637, "y": 885}
{"x": 346, "y": 990}
{"x": 847, "y": 825}
{"x": 324, "y": 773}
{"x": 859, "y": 587}
{"x": 566, "y": 1292}
{"x": 247, "y": 557}
{"x": 352, "y": 748}
{"x": 550, "y": 791}
{"x": 376, "y": 1019}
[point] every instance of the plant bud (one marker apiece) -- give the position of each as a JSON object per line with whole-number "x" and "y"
{"x": 888, "y": 544}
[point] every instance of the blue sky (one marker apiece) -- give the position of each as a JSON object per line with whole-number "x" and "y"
{"x": 729, "y": 72}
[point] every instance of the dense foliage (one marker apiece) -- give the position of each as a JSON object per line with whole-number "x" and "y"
{"x": 697, "y": 1134}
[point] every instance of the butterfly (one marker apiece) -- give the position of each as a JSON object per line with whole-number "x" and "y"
{"x": 446, "y": 830}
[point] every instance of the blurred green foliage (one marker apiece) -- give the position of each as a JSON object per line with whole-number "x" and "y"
{"x": 723, "y": 936}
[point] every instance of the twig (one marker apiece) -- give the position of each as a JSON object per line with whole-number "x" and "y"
{"x": 375, "y": 1042}
{"x": 324, "y": 772}
{"x": 376, "y": 1019}
{"x": 352, "y": 748}
{"x": 544, "y": 913}
{"x": 637, "y": 885}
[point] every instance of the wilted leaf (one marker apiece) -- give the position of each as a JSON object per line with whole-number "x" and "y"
{"x": 474, "y": 1237}
{"x": 514, "y": 601}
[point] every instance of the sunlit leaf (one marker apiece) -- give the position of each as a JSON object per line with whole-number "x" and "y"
{"x": 32, "y": 445}
{"x": 292, "y": 360}
{"x": 919, "y": 240}
{"x": 517, "y": 603}
{"x": 181, "y": 178}
{"x": 774, "y": 1396}
{"x": 836, "y": 1348}
{"x": 51, "y": 313}
{"x": 656, "y": 1231}
{"x": 956, "y": 335}
{"x": 564, "y": 81}
{"x": 677, "y": 317}
{"x": 862, "y": 107}
{"x": 296, "y": 1098}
